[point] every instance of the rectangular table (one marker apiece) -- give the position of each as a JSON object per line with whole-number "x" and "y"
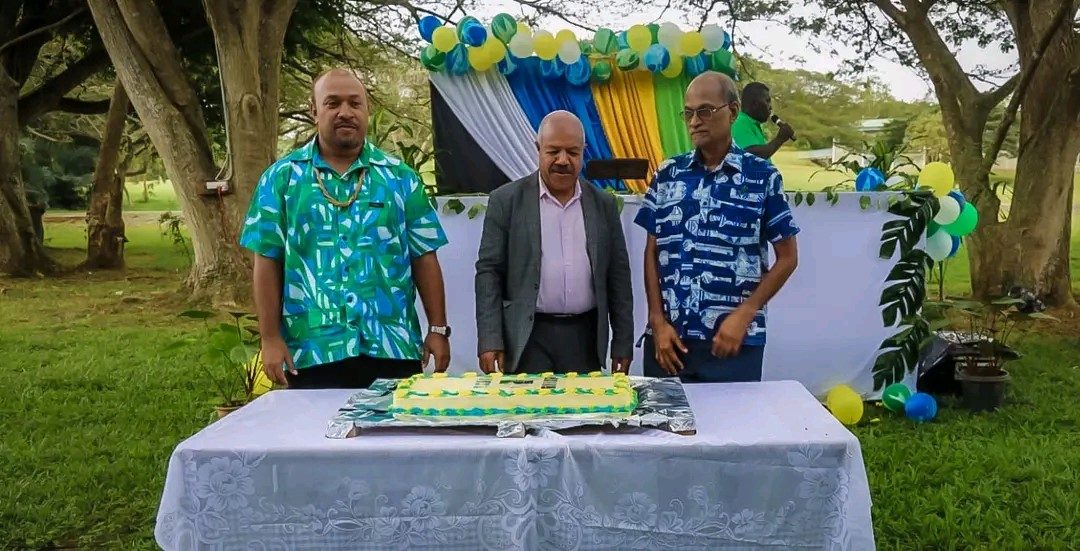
{"x": 768, "y": 468}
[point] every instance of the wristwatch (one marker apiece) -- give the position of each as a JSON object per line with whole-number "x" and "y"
{"x": 443, "y": 330}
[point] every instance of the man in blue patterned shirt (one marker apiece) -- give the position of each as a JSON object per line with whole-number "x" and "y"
{"x": 711, "y": 214}
{"x": 344, "y": 237}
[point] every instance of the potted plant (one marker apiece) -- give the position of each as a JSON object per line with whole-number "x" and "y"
{"x": 984, "y": 347}
{"x": 228, "y": 350}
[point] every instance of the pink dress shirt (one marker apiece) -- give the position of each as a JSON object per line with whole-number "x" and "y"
{"x": 566, "y": 282}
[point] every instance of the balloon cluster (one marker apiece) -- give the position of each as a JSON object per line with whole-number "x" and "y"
{"x": 920, "y": 407}
{"x": 847, "y": 406}
{"x": 956, "y": 216}
{"x": 663, "y": 49}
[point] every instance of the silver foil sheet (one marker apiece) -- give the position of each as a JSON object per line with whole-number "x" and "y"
{"x": 662, "y": 404}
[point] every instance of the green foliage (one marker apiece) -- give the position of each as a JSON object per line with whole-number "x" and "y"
{"x": 917, "y": 209}
{"x": 226, "y": 349}
{"x": 58, "y": 174}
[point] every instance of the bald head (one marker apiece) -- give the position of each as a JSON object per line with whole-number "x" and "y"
{"x": 712, "y": 83}
{"x": 561, "y": 141}
{"x": 339, "y": 105}
{"x": 710, "y": 106}
{"x": 560, "y": 124}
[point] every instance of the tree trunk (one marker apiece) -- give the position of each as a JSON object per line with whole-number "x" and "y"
{"x": 1031, "y": 249}
{"x": 104, "y": 217}
{"x": 148, "y": 64}
{"x": 21, "y": 252}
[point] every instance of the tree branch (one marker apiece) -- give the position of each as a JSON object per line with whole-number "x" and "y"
{"x": 77, "y": 106}
{"x": 1027, "y": 72}
{"x": 48, "y": 95}
{"x": 996, "y": 96}
{"x": 44, "y": 29}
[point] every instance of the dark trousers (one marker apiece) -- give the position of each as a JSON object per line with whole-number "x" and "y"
{"x": 357, "y": 372}
{"x": 700, "y": 366}
{"x": 561, "y": 344}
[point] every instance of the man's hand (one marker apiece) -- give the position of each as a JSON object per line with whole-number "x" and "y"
{"x": 274, "y": 356}
{"x": 493, "y": 361}
{"x": 620, "y": 365}
{"x": 784, "y": 131}
{"x": 668, "y": 345}
{"x": 439, "y": 346}
{"x": 729, "y": 336}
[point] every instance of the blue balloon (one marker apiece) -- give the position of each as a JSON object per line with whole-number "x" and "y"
{"x": 955, "y": 194}
{"x": 427, "y": 26}
{"x": 956, "y": 242}
{"x": 578, "y": 73}
{"x": 727, "y": 41}
{"x": 474, "y": 34}
{"x": 696, "y": 65}
{"x": 657, "y": 58}
{"x": 508, "y": 64}
{"x": 920, "y": 407}
{"x": 457, "y": 60}
{"x": 869, "y": 179}
{"x": 620, "y": 39}
{"x": 551, "y": 69}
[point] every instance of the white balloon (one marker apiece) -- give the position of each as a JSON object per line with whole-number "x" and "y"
{"x": 569, "y": 52}
{"x": 521, "y": 45}
{"x": 669, "y": 36}
{"x": 948, "y": 212}
{"x": 713, "y": 36}
{"x": 939, "y": 245}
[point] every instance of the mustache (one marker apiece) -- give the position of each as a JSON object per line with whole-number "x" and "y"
{"x": 561, "y": 169}
{"x": 345, "y": 124}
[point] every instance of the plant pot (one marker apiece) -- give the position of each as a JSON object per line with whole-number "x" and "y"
{"x": 983, "y": 392}
{"x": 222, "y": 411}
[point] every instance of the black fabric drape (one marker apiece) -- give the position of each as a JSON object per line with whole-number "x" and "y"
{"x": 461, "y": 166}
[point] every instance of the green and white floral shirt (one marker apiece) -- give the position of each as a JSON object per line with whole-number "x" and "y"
{"x": 348, "y": 286}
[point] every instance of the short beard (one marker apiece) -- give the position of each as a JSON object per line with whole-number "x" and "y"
{"x": 346, "y": 143}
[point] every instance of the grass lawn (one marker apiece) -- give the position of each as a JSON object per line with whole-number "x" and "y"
{"x": 93, "y": 408}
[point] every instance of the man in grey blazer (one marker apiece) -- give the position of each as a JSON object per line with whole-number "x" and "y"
{"x": 553, "y": 271}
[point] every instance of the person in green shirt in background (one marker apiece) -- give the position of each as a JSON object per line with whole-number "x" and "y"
{"x": 746, "y": 131}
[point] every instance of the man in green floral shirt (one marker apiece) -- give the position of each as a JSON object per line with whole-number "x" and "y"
{"x": 344, "y": 236}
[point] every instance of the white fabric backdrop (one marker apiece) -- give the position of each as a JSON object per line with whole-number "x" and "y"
{"x": 824, "y": 327}
{"x": 769, "y": 468}
{"x": 487, "y": 108}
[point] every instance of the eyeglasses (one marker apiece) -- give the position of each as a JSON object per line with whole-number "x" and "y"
{"x": 703, "y": 113}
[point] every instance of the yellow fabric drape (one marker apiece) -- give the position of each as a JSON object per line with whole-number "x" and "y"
{"x": 627, "y": 108}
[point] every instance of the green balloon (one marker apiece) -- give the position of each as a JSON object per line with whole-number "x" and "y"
{"x": 723, "y": 61}
{"x": 627, "y": 59}
{"x": 586, "y": 47}
{"x": 601, "y": 72}
{"x": 504, "y": 27}
{"x": 464, "y": 24}
{"x": 654, "y": 30}
{"x": 965, "y": 223}
{"x": 895, "y": 396}
{"x": 605, "y": 41}
{"x": 433, "y": 59}
{"x": 932, "y": 228}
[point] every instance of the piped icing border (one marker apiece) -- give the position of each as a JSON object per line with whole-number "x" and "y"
{"x": 621, "y": 386}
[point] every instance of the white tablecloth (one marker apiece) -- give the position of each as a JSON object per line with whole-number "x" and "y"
{"x": 768, "y": 468}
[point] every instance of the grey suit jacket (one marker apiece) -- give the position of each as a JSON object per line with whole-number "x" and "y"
{"x": 508, "y": 270}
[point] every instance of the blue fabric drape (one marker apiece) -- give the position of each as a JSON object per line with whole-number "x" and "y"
{"x": 554, "y": 94}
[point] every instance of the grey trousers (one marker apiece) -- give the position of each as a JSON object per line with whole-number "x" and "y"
{"x": 561, "y": 344}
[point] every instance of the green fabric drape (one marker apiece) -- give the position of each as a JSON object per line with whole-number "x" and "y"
{"x": 674, "y": 138}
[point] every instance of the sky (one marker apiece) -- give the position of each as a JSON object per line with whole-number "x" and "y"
{"x": 775, "y": 45}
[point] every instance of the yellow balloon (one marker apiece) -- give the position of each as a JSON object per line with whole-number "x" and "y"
{"x": 691, "y": 44}
{"x": 494, "y": 50}
{"x": 545, "y": 45}
{"x": 524, "y": 29}
{"x": 262, "y": 382}
{"x": 565, "y": 36}
{"x": 478, "y": 59}
{"x": 845, "y": 404}
{"x": 674, "y": 68}
{"x": 937, "y": 176}
{"x": 639, "y": 38}
{"x": 444, "y": 39}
